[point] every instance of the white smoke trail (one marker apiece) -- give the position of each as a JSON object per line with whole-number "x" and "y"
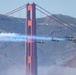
{"x": 14, "y": 37}
{"x": 7, "y": 34}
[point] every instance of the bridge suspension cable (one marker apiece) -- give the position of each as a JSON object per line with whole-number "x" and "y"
{"x": 56, "y": 18}
{"x": 15, "y": 10}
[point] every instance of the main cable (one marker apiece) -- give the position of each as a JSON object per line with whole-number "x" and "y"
{"x": 55, "y": 18}
{"x": 15, "y": 10}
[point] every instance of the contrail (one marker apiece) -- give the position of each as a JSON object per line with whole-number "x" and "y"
{"x": 14, "y": 37}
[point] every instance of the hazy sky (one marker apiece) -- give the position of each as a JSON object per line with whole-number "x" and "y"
{"x": 66, "y": 7}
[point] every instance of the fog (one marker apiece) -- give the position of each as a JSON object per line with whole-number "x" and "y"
{"x": 13, "y": 71}
{"x": 56, "y": 70}
{"x": 50, "y": 70}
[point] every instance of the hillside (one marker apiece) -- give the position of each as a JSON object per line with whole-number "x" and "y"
{"x": 49, "y": 53}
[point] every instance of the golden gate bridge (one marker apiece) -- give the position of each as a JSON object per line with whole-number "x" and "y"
{"x": 31, "y": 44}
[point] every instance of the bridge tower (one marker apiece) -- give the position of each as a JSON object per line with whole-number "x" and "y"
{"x": 31, "y": 45}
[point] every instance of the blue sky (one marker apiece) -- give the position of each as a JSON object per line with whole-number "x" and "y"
{"x": 65, "y": 7}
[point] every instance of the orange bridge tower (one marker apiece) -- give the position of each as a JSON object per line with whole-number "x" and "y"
{"x": 31, "y": 45}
